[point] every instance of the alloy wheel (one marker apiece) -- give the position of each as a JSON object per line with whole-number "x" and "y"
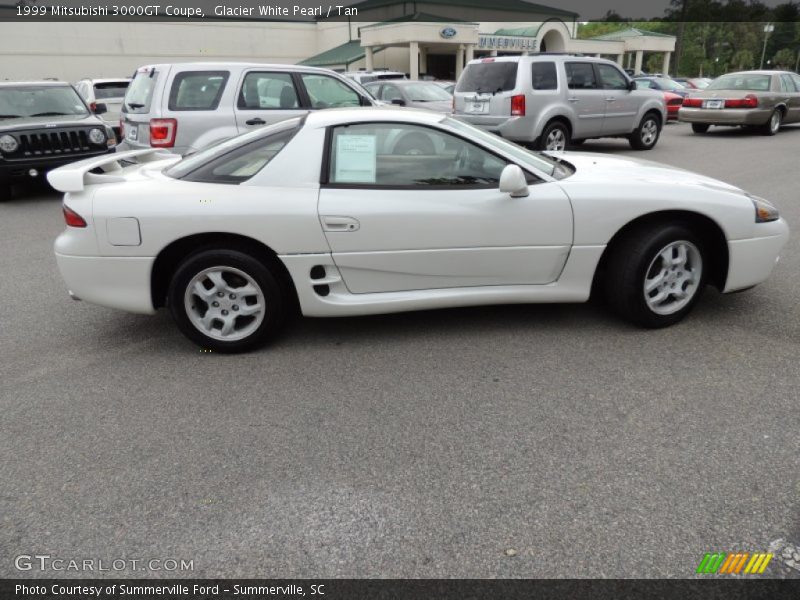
{"x": 673, "y": 277}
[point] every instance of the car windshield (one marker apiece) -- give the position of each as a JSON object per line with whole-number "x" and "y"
{"x": 195, "y": 161}
{"x": 18, "y": 102}
{"x": 553, "y": 167}
{"x": 426, "y": 92}
{"x": 140, "y": 91}
{"x": 701, "y": 84}
{"x": 741, "y": 81}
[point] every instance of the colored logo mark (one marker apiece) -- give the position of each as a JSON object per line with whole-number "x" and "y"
{"x": 734, "y": 563}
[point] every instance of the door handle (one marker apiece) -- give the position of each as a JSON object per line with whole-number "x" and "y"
{"x": 573, "y": 99}
{"x": 340, "y": 224}
{"x": 256, "y": 121}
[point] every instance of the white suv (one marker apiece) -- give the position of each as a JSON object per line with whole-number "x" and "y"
{"x": 188, "y": 106}
{"x": 552, "y": 100}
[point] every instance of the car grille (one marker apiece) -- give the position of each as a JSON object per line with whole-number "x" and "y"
{"x": 53, "y": 143}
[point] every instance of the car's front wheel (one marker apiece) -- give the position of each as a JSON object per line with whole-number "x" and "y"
{"x": 700, "y": 127}
{"x": 656, "y": 274}
{"x": 5, "y": 191}
{"x": 645, "y": 136}
{"x": 227, "y": 301}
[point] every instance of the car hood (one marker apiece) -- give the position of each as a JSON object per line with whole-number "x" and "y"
{"x": 604, "y": 168}
{"x": 40, "y": 122}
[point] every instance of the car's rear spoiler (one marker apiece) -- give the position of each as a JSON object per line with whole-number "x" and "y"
{"x": 75, "y": 176}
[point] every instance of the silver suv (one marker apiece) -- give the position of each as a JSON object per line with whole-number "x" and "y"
{"x": 188, "y": 106}
{"x": 554, "y": 100}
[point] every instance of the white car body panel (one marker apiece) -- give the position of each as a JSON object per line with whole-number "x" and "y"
{"x": 411, "y": 249}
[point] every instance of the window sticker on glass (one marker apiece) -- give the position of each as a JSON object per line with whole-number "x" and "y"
{"x": 355, "y": 158}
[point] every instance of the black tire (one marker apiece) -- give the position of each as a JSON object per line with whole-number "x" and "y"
{"x": 275, "y": 296}
{"x": 773, "y": 125}
{"x": 646, "y": 134}
{"x": 628, "y": 264}
{"x": 554, "y": 131}
{"x": 700, "y": 127}
{"x": 415, "y": 143}
{"x": 576, "y": 142}
{"x": 6, "y": 191}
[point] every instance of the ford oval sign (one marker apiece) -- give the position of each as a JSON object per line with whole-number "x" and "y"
{"x": 448, "y": 32}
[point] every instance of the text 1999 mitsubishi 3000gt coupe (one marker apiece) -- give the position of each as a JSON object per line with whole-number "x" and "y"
{"x": 342, "y": 212}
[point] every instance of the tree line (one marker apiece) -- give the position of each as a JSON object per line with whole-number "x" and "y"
{"x": 715, "y": 37}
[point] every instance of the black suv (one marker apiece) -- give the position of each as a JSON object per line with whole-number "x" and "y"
{"x": 44, "y": 125}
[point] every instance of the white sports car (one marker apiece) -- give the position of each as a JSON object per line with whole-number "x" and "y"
{"x": 340, "y": 213}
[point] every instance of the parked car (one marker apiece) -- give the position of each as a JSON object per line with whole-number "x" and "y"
{"x": 187, "y": 106}
{"x": 550, "y": 100}
{"x": 105, "y": 95}
{"x": 760, "y": 99}
{"x": 674, "y": 102}
{"x": 416, "y": 94}
{"x": 662, "y": 84}
{"x": 364, "y": 77}
{"x": 43, "y": 125}
{"x": 309, "y": 213}
{"x": 693, "y": 83}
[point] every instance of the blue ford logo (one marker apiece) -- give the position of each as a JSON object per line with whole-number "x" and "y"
{"x": 448, "y": 32}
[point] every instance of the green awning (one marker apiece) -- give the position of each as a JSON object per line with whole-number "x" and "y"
{"x": 345, "y": 54}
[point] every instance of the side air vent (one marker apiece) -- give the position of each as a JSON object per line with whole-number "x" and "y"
{"x": 317, "y": 272}
{"x": 322, "y": 290}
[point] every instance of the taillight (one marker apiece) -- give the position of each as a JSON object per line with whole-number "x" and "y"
{"x": 93, "y": 106}
{"x": 693, "y": 102}
{"x": 121, "y": 128}
{"x": 518, "y": 106}
{"x": 162, "y": 132}
{"x": 749, "y": 101}
{"x": 72, "y": 218}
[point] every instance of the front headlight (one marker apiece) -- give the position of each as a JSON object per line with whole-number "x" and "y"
{"x": 97, "y": 137}
{"x": 8, "y": 144}
{"x": 765, "y": 212}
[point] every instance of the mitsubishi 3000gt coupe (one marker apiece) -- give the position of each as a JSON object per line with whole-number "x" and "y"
{"x": 339, "y": 213}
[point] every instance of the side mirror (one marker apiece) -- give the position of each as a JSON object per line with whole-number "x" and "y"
{"x": 399, "y": 102}
{"x": 632, "y": 85}
{"x": 100, "y": 109}
{"x": 513, "y": 182}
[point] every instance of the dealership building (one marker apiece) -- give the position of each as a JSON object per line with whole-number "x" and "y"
{"x": 419, "y": 37}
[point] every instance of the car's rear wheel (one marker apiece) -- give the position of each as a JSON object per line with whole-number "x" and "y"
{"x": 700, "y": 127}
{"x": 555, "y": 137}
{"x": 772, "y": 126}
{"x": 227, "y": 301}
{"x": 645, "y": 136}
{"x": 656, "y": 274}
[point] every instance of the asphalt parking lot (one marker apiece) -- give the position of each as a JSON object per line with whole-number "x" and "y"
{"x": 522, "y": 441}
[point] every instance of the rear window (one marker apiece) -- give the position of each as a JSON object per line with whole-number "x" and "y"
{"x": 140, "y": 92}
{"x": 488, "y": 77}
{"x": 543, "y": 75}
{"x": 115, "y": 89}
{"x": 197, "y": 90}
{"x": 741, "y": 81}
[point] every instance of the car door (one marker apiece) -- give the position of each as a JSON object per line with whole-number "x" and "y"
{"x": 588, "y": 100}
{"x": 792, "y": 95}
{"x": 622, "y": 105}
{"x": 399, "y": 222}
{"x": 266, "y": 97}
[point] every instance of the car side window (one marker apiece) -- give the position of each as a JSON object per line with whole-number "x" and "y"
{"x": 787, "y": 85}
{"x": 390, "y": 93}
{"x": 197, "y": 90}
{"x": 543, "y": 75}
{"x": 580, "y": 76}
{"x": 796, "y": 79}
{"x": 612, "y": 78}
{"x": 401, "y": 155}
{"x": 327, "y": 92}
{"x": 267, "y": 91}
